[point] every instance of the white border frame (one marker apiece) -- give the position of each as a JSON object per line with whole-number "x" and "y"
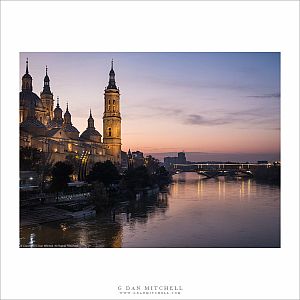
{"x": 150, "y": 26}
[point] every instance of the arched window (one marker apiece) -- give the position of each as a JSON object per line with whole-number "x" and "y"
{"x": 108, "y": 109}
{"x": 41, "y": 119}
{"x": 114, "y": 107}
{"x": 109, "y": 131}
{"x": 114, "y": 102}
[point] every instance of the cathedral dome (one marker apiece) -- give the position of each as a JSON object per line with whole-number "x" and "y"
{"x": 33, "y": 126}
{"x": 92, "y": 135}
{"x": 30, "y": 99}
{"x": 70, "y": 128}
{"x": 71, "y": 131}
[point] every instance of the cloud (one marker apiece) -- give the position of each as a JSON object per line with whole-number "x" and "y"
{"x": 200, "y": 120}
{"x": 272, "y": 95}
{"x": 254, "y": 117}
{"x": 251, "y": 117}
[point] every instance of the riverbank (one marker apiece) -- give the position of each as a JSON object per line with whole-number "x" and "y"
{"x": 267, "y": 175}
{"x": 68, "y": 207}
{"x": 65, "y": 207}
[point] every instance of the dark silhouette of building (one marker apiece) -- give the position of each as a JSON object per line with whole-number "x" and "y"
{"x": 169, "y": 161}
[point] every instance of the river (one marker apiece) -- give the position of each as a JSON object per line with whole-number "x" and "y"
{"x": 193, "y": 212}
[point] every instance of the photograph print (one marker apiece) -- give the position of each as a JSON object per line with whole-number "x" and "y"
{"x": 149, "y": 150}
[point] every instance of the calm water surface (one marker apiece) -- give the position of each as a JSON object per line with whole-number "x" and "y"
{"x": 194, "y": 212}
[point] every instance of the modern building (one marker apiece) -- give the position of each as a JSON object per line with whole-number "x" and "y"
{"x": 46, "y": 128}
{"x": 169, "y": 161}
{"x": 181, "y": 159}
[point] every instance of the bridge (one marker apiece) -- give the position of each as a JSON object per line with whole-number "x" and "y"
{"x": 211, "y": 170}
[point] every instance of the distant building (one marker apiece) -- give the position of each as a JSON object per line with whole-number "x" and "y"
{"x": 124, "y": 160}
{"x": 169, "y": 161}
{"x": 138, "y": 158}
{"x": 181, "y": 159}
{"x": 138, "y": 155}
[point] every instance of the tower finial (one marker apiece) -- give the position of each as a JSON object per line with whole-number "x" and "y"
{"x": 112, "y": 81}
{"x": 27, "y": 65}
{"x": 57, "y": 102}
{"x": 90, "y": 112}
{"x": 46, "y": 70}
{"x": 67, "y": 106}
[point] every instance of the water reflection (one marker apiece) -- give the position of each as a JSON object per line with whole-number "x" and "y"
{"x": 193, "y": 212}
{"x": 103, "y": 231}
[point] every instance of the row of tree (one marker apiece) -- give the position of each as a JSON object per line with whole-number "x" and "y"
{"x": 102, "y": 172}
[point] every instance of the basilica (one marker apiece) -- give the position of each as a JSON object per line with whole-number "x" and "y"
{"x": 46, "y": 128}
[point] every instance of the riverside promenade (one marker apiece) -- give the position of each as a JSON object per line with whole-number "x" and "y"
{"x": 49, "y": 209}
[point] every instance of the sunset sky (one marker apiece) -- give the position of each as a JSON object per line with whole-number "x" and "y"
{"x": 211, "y": 105}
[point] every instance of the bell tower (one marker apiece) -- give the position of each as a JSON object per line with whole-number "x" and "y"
{"x": 27, "y": 80}
{"x": 112, "y": 118}
{"x": 47, "y": 98}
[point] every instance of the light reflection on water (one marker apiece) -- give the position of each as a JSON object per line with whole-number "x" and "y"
{"x": 194, "y": 212}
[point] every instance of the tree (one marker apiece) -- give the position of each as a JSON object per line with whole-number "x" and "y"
{"x": 152, "y": 164}
{"x": 74, "y": 160}
{"x": 137, "y": 178}
{"x": 30, "y": 158}
{"x": 162, "y": 176}
{"x": 104, "y": 172}
{"x": 61, "y": 172}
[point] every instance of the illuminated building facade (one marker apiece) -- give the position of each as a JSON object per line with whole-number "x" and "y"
{"x": 46, "y": 128}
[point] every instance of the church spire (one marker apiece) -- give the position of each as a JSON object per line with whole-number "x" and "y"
{"x": 27, "y": 65}
{"x": 46, "y": 89}
{"x": 67, "y": 116}
{"x": 27, "y": 80}
{"x": 91, "y": 123}
{"x": 112, "y": 81}
{"x": 58, "y": 111}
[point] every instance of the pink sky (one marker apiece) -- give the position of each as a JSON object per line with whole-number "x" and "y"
{"x": 196, "y": 102}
